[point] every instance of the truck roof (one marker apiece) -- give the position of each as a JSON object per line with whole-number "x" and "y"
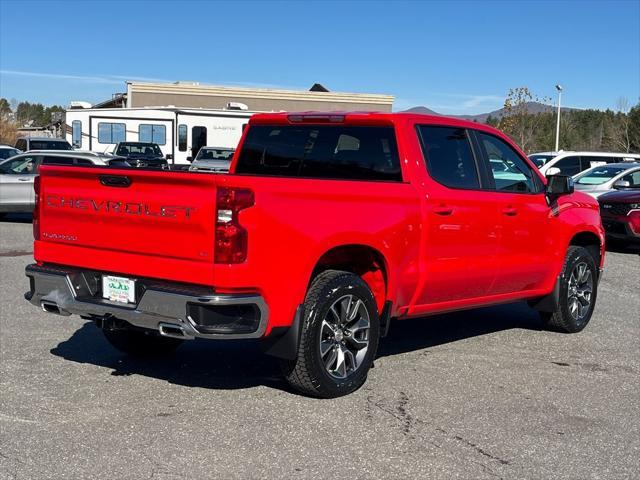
{"x": 367, "y": 118}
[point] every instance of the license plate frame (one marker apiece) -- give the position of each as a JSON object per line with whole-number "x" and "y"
{"x": 119, "y": 289}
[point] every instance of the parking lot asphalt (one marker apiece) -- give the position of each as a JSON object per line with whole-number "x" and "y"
{"x": 480, "y": 394}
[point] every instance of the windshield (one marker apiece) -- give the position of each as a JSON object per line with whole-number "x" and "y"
{"x": 599, "y": 175}
{"x": 139, "y": 149}
{"x": 540, "y": 160}
{"x": 8, "y": 152}
{"x": 215, "y": 154}
{"x": 49, "y": 145}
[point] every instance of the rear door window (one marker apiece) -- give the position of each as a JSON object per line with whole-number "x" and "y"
{"x": 319, "y": 151}
{"x": 568, "y": 165}
{"x": 588, "y": 162}
{"x": 57, "y": 161}
{"x": 449, "y": 158}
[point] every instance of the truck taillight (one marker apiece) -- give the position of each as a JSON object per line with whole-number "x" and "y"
{"x": 231, "y": 237}
{"x": 36, "y": 208}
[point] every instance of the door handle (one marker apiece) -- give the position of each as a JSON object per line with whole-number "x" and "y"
{"x": 510, "y": 211}
{"x": 443, "y": 210}
{"x": 24, "y": 179}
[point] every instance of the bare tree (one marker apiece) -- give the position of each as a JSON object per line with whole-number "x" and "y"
{"x": 518, "y": 120}
{"x": 620, "y": 127}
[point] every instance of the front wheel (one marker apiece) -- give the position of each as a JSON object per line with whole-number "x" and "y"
{"x": 339, "y": 338}
{"x": 578, "y": 292}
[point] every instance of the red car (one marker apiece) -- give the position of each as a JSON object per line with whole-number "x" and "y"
{"x": 620, "y": 211}
{"x": 327, "y": 226}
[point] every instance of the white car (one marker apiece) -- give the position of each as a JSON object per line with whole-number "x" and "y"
{"x": 212, "y": 159}
{"x": 7, "y": 152}
{"x": 18, "y": 172}
{"x": 572, "y": 163}
{"x": 605, "y": 178}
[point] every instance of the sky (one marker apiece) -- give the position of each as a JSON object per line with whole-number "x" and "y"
{"x": 456, "y": 57}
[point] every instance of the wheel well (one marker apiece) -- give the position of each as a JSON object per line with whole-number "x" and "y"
{"x": 362, "y": 260}
{"x": 590, "y": 241}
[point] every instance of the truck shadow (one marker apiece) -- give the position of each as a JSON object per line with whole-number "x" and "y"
{"x": 16, "y": 218}
{"x": 239, "y": 364}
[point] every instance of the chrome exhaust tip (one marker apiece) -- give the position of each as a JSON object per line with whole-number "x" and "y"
{"x": 172, "y": 330}
{"x": 51, "y": 307}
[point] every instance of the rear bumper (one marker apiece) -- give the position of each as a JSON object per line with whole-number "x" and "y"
{"x": 176, "y": 310}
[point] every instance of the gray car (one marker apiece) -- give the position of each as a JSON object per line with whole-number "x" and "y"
{"x": 212, "y": 159}
{"x": 18, "y": 172}
{"x": 605, "y": 178}
{"x": 42, "y": 143}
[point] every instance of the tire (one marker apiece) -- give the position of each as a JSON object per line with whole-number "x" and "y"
{"x": 323, "y": 368}
{"x": 576, "y": 289}
{"x": 138, "y": 343}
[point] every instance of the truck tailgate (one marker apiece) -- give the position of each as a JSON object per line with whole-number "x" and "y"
{"x": 146, "y": 223}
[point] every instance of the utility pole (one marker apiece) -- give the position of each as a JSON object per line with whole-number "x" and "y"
{"x": 559, "y": 88}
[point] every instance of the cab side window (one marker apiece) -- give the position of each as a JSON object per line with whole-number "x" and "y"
{"x": 510, "y": 173}
{"x": 569, "y": 165}
{"x": 447, "y": 152}
{"x": 20, "y": 166}
{"x": 633, "y": 178}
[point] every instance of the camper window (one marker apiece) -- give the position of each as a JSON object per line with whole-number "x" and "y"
{"x": 182, "y": 138}
{"x": 111, "y": 132}
{"x": 152, "y": 133}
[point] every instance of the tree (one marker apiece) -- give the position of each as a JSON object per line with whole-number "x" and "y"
{"x": 517, "y": 121}
{"x": 634, "y": 128}
{"x": 5, "y": 108}
{"x": 620, "y": 127}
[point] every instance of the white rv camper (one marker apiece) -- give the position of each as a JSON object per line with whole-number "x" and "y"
{"x": 180, "y": 132}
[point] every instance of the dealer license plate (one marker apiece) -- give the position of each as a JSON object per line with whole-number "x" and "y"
{"x": 118, "y": 289}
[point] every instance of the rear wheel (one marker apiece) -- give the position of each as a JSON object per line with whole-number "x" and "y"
{"x": 339, "y": 337}
{"x": 139, "y": 343}
{"x": 578, "y": 292}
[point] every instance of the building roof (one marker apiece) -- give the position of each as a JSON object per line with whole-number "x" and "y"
{"x": 319, "y": 94}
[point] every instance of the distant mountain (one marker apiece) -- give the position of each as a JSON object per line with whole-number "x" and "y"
{"x": 532, "y": 107}
{"x": 422, "y": 110}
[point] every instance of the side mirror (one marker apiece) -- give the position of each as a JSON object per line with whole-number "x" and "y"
{"x": 620, "y": 184}
{"x": 169, "y": 156}
{"x": 189, "y": 159}
{"x": 559, "y": 185}
{"x": 552, "y": 171}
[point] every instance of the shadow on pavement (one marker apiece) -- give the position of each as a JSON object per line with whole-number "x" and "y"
{"x": 237, "y": 364}
{"x": 621, "y": 247}
{"x": 16, "y": 218}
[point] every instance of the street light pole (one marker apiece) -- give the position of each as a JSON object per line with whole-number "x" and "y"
{"x": 559, "y": 88}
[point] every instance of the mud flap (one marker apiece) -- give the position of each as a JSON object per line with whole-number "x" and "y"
{"x": 283, "y": 341}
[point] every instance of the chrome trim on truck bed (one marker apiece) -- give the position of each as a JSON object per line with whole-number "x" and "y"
{"x": 160, "y": 307}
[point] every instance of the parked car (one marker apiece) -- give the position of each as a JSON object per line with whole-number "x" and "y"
{"x": 541, "y": 158}
{"x": 6, "y": 152}
{"x": 620, "y": 211}
{"x": 572, "y": 163}
{"x": 17, "y": 174}
{"x": 42, "y": 143}
{"x": 321, "y": 233}
{"x": 142, "y": 154}
{"x": 604, "y": 178}
{"x": 212, "y": 159}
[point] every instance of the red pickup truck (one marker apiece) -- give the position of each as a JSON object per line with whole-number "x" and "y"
{"x": 328, "y": 226}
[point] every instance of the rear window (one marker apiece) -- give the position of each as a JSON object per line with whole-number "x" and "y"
{"x": 49, "y": 145}
{"x": 321, "y": 151}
